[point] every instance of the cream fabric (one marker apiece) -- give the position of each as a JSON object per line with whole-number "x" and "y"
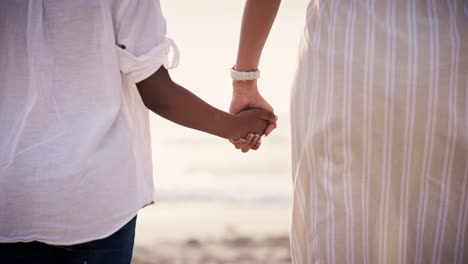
{"x": 380, "y": 133}
{"x": 75, "y": 159}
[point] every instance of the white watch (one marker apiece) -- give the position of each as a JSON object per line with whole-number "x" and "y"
{"x": 244, "y": 76}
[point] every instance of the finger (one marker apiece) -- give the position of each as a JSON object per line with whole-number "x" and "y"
{"x": 239, "y": 146}
{"x": 268, "y": 116}
{"x": 235, "y": 108}
{"x": 239, "y": 143}
{"x": 239, "y": 103}
{"x": 251, "y": 144}
{"x": 244, "y": 145}
{"x": 255, "y": 140}
{"x": 270, "y": 128}
{"x": 257, "y": 146}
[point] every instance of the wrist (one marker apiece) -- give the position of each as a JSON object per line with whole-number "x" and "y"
{"x": 246, "y": 66}
{"x": 234, "y": 129}
{"x": 245, "y": 86}
{"x": 228, "y": 126}
{"x": 244, "y": 75}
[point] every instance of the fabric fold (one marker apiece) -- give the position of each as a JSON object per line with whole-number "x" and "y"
{"x": 138, "y": 68}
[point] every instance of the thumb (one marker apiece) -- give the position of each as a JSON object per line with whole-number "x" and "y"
{"x": 234, "y": 108}
{"x": 237, "y": 106}
{"x": 268, "y": 116}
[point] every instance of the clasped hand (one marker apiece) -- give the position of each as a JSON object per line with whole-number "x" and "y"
{"x": 246, "y": 96}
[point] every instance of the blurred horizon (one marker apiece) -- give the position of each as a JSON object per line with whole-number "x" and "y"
{"x": 207, "y": 34}
{"x": 215, "y": 204}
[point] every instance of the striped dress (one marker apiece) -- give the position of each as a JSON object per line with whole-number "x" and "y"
{"x": 380, "y": 133}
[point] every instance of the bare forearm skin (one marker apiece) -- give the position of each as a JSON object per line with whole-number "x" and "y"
{"x": 175, "y": 103}
{"x": 257, "y": 21}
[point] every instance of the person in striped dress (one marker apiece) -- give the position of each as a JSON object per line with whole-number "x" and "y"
{"x": 379, "y": 117}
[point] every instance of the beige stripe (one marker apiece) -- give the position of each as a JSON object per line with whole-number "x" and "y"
{"x": 329, "y": 99}
{"x": 449, "y": 155}
{"x": 347, "y": 87}
{"x": 409, "y": 129}
{"x": 368, "y": 116}
{"x": 429, "y": 143}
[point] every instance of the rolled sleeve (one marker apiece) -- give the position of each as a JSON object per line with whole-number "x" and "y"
{"x": 141, "y": 43}
{"x": 138, "y": 68}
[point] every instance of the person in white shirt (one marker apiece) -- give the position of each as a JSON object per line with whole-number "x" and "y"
{"x": 76, "y": 81}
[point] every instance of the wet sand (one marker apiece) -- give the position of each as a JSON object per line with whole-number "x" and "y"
{"x": 181, "y": 233}
{"x": 241, "y": 249}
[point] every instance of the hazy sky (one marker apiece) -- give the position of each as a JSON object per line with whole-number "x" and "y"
{"x": 207, "y": 33}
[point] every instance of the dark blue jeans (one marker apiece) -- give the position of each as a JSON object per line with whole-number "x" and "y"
{"x": 115, "y": 249}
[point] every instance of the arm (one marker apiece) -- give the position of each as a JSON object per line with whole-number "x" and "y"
{"x": 257, "y": 21}
{"x": 173, "y": 102}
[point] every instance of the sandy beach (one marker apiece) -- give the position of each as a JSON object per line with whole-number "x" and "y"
{"x": 240, "y": 249}
{"x": 196, "y": 233}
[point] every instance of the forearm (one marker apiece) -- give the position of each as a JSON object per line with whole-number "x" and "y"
{"x": 257, "y": 20}
{"x": 175, "y": 103}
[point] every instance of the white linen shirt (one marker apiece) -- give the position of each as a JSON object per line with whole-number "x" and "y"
{"x": 75, "y": 155}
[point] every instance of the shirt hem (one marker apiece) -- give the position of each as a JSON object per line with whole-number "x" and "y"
{"x": 82, "y": 240}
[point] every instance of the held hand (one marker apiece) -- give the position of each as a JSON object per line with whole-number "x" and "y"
{"x": 248, "y": 143}
{"x": 252, "y": 140}
{"x": 246, "y": 96}
{"x": 252, "y": 121}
